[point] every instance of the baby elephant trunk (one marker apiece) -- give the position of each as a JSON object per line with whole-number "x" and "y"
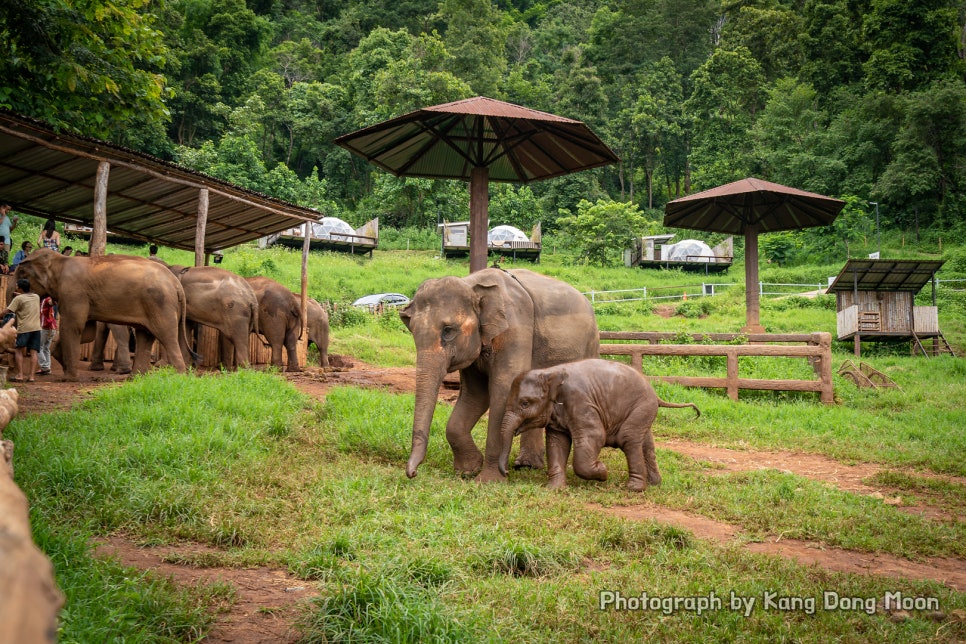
{"x": 511, "y": 422}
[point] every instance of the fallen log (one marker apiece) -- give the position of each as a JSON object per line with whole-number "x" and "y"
{"x": 29, "y": 597}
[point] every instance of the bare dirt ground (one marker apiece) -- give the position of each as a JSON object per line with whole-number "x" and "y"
{"x": 267, "y": 599}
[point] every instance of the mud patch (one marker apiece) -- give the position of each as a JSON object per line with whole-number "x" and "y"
{"x": 267, "y": 600}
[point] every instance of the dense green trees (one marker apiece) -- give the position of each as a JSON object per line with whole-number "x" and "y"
{"x": 863, "y": 98}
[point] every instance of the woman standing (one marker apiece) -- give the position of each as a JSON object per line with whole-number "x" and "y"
{"x": 50, "y": 238}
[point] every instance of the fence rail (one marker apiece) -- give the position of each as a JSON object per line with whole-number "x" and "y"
{"x": 817, "y": 350}
{"x": 705, "y": 289}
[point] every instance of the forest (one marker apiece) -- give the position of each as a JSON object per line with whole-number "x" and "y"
{"x": 859, "y": 99}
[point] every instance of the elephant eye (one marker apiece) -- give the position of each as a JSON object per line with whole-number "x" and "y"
{"x": 524, "y": 403}
{"x": 448, "y": 333}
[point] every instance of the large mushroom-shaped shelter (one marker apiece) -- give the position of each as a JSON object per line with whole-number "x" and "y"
{"x": 479, "y": 140}
{"x": 749, "y": 207}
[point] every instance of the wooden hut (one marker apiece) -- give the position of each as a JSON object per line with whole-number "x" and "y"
{"x": 875, "y": 301}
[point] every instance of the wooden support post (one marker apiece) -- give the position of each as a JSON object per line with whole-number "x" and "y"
{"x": 200, "y": 227}
{"x": 637, "y": 361}
{"x": 733, "y": 374}
{"x": 304, "y": 299}
{"x": 752, "y": 303}
{"x": 479, "y": 217}
{"x": 98, "y": 245}
{"x": 825, "y": 368}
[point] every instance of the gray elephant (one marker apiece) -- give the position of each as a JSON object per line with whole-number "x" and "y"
{"x": 224, "y": 301}
{"x": 279, "y": 319}
{"x": 118, "y": 289}
{"x": 317, "y": 326}
{"x": 593, "y": 404}
{"x": 490, "y": 326}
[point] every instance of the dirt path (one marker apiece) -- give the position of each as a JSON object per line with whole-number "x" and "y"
{"x": 268, "y": 599}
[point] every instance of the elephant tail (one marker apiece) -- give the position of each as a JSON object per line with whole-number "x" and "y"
{"x": 664, "y": 403}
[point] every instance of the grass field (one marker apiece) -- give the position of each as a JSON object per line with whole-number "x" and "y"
{"x": 247, "y": 464}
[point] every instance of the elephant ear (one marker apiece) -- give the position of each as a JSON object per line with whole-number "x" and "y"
{"x": 552, "y": 382}
{"x": 491, "y": 310}
{"x": 406, "y": 315}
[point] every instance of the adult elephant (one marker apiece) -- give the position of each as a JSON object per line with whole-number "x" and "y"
{"x": 118, "y": 289}
{"x": 317, "y": 327}
{"x": 279, "y": 319}
{"x": 491, "y": 326}
{"x": 224, "y": 301}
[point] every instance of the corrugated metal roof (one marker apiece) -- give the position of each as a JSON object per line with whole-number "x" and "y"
{"x": 885, "y": 275}
{"x": 52, "y": 175}
{"x": 516, "y": 144}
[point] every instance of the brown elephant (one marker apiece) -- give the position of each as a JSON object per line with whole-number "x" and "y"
{"x": 593, "y": 404}
{"x": 490, "y": 326}
{"x": 122, "y": 341}
{"x": 118, "y": 289}
{"x": 317, "y": 327}
{"x": 279, "y": 319}
{"x": 224, "y": 301}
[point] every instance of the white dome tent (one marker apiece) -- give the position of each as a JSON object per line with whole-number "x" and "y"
{"x": 688, "y": 250}
{"x": 330, "y": 228}
{"x": 499, "y": 235}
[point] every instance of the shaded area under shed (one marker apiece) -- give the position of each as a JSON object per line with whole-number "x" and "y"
{"x": 69, "y": 178}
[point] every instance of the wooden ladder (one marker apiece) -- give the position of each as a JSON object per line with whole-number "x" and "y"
{"x": 941, "y": 348}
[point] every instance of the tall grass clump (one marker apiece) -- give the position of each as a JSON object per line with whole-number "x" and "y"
{"x": 384, "y": 606}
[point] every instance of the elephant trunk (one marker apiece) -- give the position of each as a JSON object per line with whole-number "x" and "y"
{"x": 511, "y": 422}
{"x": 429, "y": 377}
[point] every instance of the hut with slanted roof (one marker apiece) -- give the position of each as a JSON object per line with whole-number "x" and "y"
{"x": 875, "y": 301}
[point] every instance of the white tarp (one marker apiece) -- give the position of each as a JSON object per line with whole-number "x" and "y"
{"x": 501, "y": 234}
{"x": 687, "y": 250}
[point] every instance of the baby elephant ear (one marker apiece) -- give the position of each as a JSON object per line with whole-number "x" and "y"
{"x": 491, "y": 311}
{"x": 552, "y": 382}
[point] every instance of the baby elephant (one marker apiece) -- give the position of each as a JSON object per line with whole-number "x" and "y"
{"x": 593, "y": 403}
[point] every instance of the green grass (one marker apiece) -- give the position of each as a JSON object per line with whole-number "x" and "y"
{"x": 437, "y": 558}
{"x": 244, "y": 463}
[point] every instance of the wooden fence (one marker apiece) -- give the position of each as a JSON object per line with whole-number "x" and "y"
{"x": 817, "y": 349}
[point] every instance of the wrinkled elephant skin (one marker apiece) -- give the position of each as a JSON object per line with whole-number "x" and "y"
{"x": 117, "y": 289}
{"x": 591, "y": 404}
{"x": 490, "y": 326}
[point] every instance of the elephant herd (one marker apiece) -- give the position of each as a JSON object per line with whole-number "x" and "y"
{"x": 526, "y": 347}
{"x": 124, "y": 294}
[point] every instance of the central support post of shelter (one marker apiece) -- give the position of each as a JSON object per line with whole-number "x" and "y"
{"x": 479, "y": 217}
{"x": 752, "y": 305}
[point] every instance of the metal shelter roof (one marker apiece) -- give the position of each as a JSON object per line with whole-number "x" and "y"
{"x": 52, "y": 175}
{"x": 885, "y": 275}
{"x": 517, "y": 144}
{"x": 768, "y": 206}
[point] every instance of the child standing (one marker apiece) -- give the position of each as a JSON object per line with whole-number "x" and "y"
{"x": 26, "y": 306}
{"x": 48, "y": 329}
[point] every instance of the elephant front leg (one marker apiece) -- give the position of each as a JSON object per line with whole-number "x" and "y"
{"x": 472, "y": 402}
{"x": 587, "y": 463}
{"x": 558, "y": 451}
{"x": 531, "y": 450}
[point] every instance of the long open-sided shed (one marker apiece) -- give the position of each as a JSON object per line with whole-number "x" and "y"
{"x": 94, "y": 183}
{"x": 875, "y": 300}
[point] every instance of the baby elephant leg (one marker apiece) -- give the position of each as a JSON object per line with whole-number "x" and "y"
{"x": 558, "y": 451}
{"x": 638, "y": 447}
{"x": 587, "y": 464}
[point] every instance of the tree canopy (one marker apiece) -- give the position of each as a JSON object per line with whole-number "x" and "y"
{"x": 852, "y": 98}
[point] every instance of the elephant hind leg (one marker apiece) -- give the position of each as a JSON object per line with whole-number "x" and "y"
{"x": 650, "y": 458}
